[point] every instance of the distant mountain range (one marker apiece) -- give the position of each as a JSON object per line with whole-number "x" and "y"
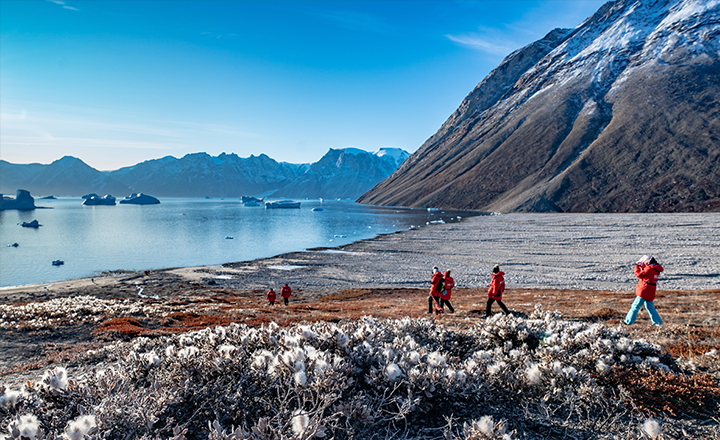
{"x": 621, "y": 114}
{"x": 341, "y": 173}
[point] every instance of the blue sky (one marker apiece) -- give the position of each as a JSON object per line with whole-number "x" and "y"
{"x": 118, "y": 82}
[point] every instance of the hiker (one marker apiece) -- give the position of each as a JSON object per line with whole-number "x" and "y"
{"x": 436, "y": 287}
{"x": 285, "y": 293}
{"x": 647, "y": 269}
{"x": 497, "y": 287}
{"x": 271, "y": 296}
{"x": 447, "y": 293}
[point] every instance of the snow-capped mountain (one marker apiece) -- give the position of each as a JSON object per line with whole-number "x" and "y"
{"x": 344, "y": 173}
{"x": 620, "y": 114}
{"x": 339, "y": 174}
{"x": 200, "y": 174}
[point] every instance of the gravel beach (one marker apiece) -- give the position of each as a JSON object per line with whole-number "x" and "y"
{"x": 553, "y": 251}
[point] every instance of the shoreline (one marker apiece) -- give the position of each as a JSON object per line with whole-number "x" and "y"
{"x": 545, "y": 251}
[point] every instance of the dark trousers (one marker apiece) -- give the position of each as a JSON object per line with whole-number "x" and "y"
{"x": 286, "y": 300}
{"x": 444, "y": 302}
{"x": 500, "y": 303}
{"x": 431, "y": 306}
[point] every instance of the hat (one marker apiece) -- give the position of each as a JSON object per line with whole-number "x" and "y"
{"x": 496, "y": 269}
{"x": 435, "y": 269}
{"x": 645, "y": 259}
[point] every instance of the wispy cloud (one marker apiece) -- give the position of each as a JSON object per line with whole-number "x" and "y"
{"x": 481, "y": 43}
{"x": 356, "y": 21}
{"x": 64, "y": 6}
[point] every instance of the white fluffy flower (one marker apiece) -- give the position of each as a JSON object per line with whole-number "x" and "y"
{"x": 534, "y": 374}
{"x": 652, "y": 428}
{"x": 151, "y": 359}
{"x": 188, "y": 351}
{"x": 9, "y": 398}
{"x": 300, "y": 378}
{"x": 56, "y": 379}
{"x": 227, "y": 350}
{"x": 436, "y": 360}
{"x": 84, "y": 425}
{"x": 300, "y": 422}
{"x": 25, "y": 426}
{"x": 392, "y": 372}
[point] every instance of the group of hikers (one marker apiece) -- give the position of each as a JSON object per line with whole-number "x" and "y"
{"x": 285, "y": 292}
{"x": 647, "y": 270}
{"x": 441, "y": 290}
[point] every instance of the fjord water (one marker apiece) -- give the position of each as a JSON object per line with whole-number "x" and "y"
{"x": 180, "y": 232}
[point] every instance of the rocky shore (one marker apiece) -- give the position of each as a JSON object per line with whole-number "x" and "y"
{"x": 547, "y": 251}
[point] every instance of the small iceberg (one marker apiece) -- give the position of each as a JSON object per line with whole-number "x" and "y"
{"x": 139, "y": 199}
{"x": 282, "y": 204}
{"x": 32, "y": 224}
{"x": 58, "y": 262}
{"x": 433, "y": 210}
{"x": 317, "y": 209}
{"x": 250, "y": 201}
{"x": 340, "y": 236}
{"x": 95, "y": 200}
{"x": 228, "y": 237}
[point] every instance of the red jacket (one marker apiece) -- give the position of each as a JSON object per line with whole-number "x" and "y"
{"x": 271, "y": 295}
{"x": 435, "y": 284}
{"x": 449, "y": 284}
{"x": 497, "y": 286}
{"x": 285, "y": 292}
{"x": 648, "y": 274}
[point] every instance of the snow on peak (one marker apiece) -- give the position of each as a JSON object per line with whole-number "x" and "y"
{"x": 398, "y": 154}
{"x": 354, "y": 151}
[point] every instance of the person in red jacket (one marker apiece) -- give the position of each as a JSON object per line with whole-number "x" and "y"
{"x": 436, "y": 287}
{"x": 285, "y": 293}
{"x": 447, "y": 293}
{"x": 497, "y": 287}
{"x": 271, "y": 297}
{"x": 647, "y": 269}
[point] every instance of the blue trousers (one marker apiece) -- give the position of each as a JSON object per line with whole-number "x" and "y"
{"x": 635, "y": 308}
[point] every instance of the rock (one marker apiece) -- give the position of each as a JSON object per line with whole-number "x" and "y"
{"x": 139, "y": 199}
{"x": 23, "y": 201}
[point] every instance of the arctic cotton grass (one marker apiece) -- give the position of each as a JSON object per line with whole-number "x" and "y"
{"x": 84, "y": 425}
{"x": 25, "y": 427}
{"x": 357, "y": 379}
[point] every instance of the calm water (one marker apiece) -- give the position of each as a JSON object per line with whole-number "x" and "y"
{"x": 180, "y": 232}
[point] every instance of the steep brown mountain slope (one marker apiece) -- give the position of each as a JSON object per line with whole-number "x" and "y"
{"x": 620, "y": 114}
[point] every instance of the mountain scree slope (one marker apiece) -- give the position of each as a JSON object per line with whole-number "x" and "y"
{"x": 620, "y": 114}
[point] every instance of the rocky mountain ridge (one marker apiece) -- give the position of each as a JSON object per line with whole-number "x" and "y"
{"x": 619, "y": 114}
{"x": 341, "y": 173}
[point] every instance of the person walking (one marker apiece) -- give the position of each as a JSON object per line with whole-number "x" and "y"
{"x": 285, "y": 292}
{"x": 271, "y": 297}
{"x": 436, "y": 286}
{"x": 447, "y": 293}
{"x": 648, "y": 270}
{"x": 497, "y": 287}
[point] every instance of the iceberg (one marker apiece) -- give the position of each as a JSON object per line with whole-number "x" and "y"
{"x": 23, "y": 201}
{"x": 139, "y": 199}
{"x": 95, "y": 200}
